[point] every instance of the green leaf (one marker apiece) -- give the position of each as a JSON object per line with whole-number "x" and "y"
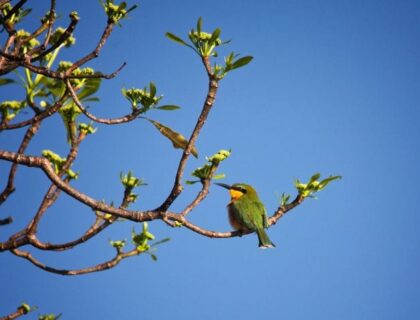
{"x": 315, "y": 177}
{"x": 168, "y": 107}
{"x": 215, "y": 35}
{"x": 119, "y": 244}
{"x": 177, "y": 139}
{"x": 199, "y": 25}
{"x": 153, "y": 256}
{"x": 26, "y": 308}
{"x": 4, "y": 81}
{"x": 92, "y": 85}
{"x": 326, "y": 181}
{"x": 284, "y": 199}
{"x": 241, "y": 62}
{"x": 191, "y": 181}
{"x": 122, "y": 6}
{"x": 219, "y": 176}
{"x": 174, "y": 38}
{"x": 161, "y": 241}
{"x": 95, "y": 99}
{"x": 152, "y": 89}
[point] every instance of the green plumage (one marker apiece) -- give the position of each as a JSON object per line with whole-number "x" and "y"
{"x": 247, "y": 212}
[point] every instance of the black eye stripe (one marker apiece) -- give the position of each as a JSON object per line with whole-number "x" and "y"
{"x": 240, "y": 189}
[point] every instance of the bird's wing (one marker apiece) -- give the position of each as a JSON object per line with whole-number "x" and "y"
{"x": 249, "y": 214}
{"x": 263, "y": 213}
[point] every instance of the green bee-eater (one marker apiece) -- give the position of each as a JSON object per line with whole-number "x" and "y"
{"x": 247, "y": 212}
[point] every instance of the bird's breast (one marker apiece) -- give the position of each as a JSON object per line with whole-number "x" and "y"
{"x": 232, "y": 219}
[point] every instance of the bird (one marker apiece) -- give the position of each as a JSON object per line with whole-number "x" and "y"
{"x": 247, "y": 212}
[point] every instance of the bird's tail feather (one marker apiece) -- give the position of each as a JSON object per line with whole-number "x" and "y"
{"x": 264, "y": 240}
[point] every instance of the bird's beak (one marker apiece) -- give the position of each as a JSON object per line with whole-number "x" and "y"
{"x": 224, "y": 185}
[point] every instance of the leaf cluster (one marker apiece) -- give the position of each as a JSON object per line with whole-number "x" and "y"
{"x": 9, "y": 109}
{"x": 116, "y": 12}
{"x": 207, "y": 171}
{"x": 313, "y": 185}
{"x": 147, "y": 98}
{"x": 15, "y": 17}
{"x": 204, "y": 44}
{"x": 58, "y": 163}
{"x": 141, "y": 242}
{"x": 129, "y": 181}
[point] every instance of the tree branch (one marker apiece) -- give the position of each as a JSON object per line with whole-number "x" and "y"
{"x": 127, "y": 118}
{"x": 66, "y": 34}
{"x": 95, "y": 53}
{"x": 208, "y": 103}
{"x": 44, "y": 164}
{"x": 10, "y": 188}
{"x": 14, "y": 315}
{"x": 67, "y": 272}
{"x": 41, "y": 116}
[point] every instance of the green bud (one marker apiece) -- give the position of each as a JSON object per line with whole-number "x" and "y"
{"x": 26, "y": 308}
{"x": 64, "y": 65}
{"x": 87, "y": 128}
{"x": 143, "y": 247}
{"x": 28, "y": 43}
{"x": 219, "y": 156}
{"x": 72, "y": 175}
{"x": 146, "y": 97}
{"x": 178, "y": 224}
{"x": 119, "y": 244}
{"x": 53, "y": 157}
{"x": 58, "y": 33}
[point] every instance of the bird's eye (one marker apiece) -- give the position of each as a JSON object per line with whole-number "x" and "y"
{"x": 243, "y": 190}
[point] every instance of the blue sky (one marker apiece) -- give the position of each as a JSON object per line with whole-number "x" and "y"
{"x": 333, "y": 88}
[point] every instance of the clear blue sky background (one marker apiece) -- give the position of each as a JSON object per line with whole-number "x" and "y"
{"x": 334, "y": 88}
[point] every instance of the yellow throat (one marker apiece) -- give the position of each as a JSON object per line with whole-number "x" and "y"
{"x": 235, "y": 194}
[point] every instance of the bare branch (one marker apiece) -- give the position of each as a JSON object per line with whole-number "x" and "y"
{"x": 202, "y": 194}
{"x": 66, "y": 34}
{"x": 5, "y": 221}
{"x": 127, "y": 118}
{"x": 65, "y": 272}
{"x": 62, "y": 76}
{"x": 10, "y": 188}
{"x": 95, "y": 53}
{"x": 53, "y": 192}
{"x": 14, "y": 315}
{"x": 44, "y": 164}
{"x": 208, "y": 103}
{"x": 51, "y": 20}
{"x": 99, "y": 225}
{"x": 41, "y": 116}
{"x": 282, "y": 210}
{"x": 95, "y": 229}
{"x": 3, "y": 20}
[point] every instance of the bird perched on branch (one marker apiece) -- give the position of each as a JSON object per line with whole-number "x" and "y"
{"x": 247, "y": 212}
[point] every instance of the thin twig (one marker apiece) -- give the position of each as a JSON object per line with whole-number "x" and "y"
{"x": 202, "y": 194}
{"x": 208, "y": 103}
{"x": 6, "y": 221}
{"x": 98, "y": 226}
{"x": 138, "y": 216}
{"x": 3, "y": 20}
{"x": 53, "y": 192}
{"x": 10, "y": 188}
{"x": 66, "y": 34}
{"x": 14, "y": 315}
{"x": 95, "y": 53}
{"x": 127, "y": 118}
{"x": 44, "y": 164}
{"x": 66, "y": 272}
{"x": 41, "y": 116}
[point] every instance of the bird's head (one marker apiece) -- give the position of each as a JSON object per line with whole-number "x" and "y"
{"x": 238, "y": 190}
